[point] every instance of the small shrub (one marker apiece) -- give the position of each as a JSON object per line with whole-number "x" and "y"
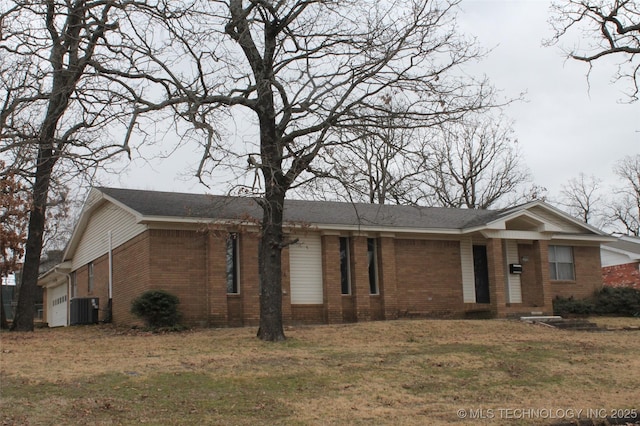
{"x": 158, "y": 308}
{"x": 570, "y": 306}
{"x": 623, "y": 301}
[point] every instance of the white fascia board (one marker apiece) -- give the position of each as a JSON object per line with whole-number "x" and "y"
{"x": 384, "y": 230}
{"x": 54, "y": 275}
{"x": 583, "y": 237}
{"x": 164, "y": 221}
{"x": 514, "y": 235}
{"x": 631, "y": 255}
{"x": 171, "y": 222}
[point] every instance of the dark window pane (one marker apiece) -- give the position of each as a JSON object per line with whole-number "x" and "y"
{"x": 232, "y": 263}
{"x": 344, "y": 265}
{"x": 373, "y": 267}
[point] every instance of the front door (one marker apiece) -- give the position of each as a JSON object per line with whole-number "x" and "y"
{"x": 481, "y": 274}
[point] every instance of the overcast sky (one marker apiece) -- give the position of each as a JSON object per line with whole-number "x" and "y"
{"x": 565, "y": 125}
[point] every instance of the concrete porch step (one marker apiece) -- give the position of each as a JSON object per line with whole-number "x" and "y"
{"x": 564, "y": 323}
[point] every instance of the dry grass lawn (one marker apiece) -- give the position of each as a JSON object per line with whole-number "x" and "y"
{"x": 398, "y": 372}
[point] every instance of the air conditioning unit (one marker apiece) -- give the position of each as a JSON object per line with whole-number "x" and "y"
{"x": 84, "y": 311}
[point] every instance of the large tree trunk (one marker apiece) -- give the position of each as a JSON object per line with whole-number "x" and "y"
{"x": 23, "y": 319}
{"x": 271, "y": 245}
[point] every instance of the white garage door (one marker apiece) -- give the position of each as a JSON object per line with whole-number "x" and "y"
{"x": 57, "y": 304}
{"x": 305, "y": 258}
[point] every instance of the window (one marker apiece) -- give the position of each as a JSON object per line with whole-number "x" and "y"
{"x": 232, "y": 264}
{"x": 561, "y": 263}
{"x": 74, "y": 284}
{"x": 345, "y": 279}
{"x": 372, "y": 257}
{"x": 90, "y": 281}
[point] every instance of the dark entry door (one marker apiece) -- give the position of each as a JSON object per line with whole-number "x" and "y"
{"x": 481, "y": 273}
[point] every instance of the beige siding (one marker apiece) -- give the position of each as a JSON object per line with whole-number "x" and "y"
{"x": 95, "y": 242}
{"x": 468, "y": 276}
{"x": 566, "y": 225}
{"x": 514, "y": 287}
{"x": 305, "y": 259}
{"x": 609, "y": 258}
{"x": 94, "y": 196}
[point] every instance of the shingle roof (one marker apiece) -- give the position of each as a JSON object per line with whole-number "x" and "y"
{"x": 201, "y": 206}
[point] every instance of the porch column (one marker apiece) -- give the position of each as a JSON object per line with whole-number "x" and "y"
{"x": 360, "y": 278}
{"x": 541, "y": 263}
{"x": 250, "y": 278}
{"x": 388, "y": 285}
{"x": 331, "y": 283}
{"x": 497, "y": 283}
{"x": 217, "y": 278}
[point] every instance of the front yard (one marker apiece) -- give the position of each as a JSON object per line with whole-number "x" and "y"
{"x": 396, "y": 372}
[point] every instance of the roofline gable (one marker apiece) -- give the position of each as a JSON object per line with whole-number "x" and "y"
{"x": 493, "y": 223}
{"x": 95, "y": 199}
{"x": 556, "y": 211}
{"x": 501, "y": 222}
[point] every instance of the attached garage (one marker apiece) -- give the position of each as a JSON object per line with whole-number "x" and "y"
{"x": 57, "y": 290}
{"x": 57, "y": 306}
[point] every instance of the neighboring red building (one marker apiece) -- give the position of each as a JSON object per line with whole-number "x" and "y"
{"x": 352, "y": 262}
{"x": 621, "y": 262}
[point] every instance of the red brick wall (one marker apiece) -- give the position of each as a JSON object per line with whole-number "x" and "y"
{"x": 497, "y": 279}
{"x": 249, "y": 278}
{"x": 307, "y": 314}
{"x": 178, "y": 265}
{"x": 240, "y": 309}
{"x": 588, "y": 275}
{"x": 420, "y": 277}
{"x": 100, "y": 284}
{"x": 331, "y": 279}
{"x": 131, "y": 277}
{"x": 429, "y": 277}
{"x": 530, "y": 278}
{"x": 360, "y": 288}
{"x": 388, "y": 308}
{"x": 223, "y": 309}
{"x": 627, "y": 275}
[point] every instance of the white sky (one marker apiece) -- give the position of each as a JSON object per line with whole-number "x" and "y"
{"x": 565, "y": 125}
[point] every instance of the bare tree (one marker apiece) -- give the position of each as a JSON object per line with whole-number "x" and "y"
{"x": 475, "y": 164}
{"x": 611, "y": 28}
{"x": 377, "y": 164}
{"x": 625, "y": 209}
{"x": 307, "y": 71}
{"x": 582, "y": 197}
{"x": 71, "y": 76}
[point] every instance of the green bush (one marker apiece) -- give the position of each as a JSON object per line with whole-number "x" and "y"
{"x": 623, "y": 301}
{"x": 158, "y": 308}
{"x": 569, "y": 306}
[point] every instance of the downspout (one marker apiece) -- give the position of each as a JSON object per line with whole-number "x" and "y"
{"x": 109, "y": 303}
{"x": 68, "y": 299}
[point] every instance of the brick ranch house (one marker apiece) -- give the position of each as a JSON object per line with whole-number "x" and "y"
{"x": 621, "y": 262}
{"x": 352, "y": 262}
